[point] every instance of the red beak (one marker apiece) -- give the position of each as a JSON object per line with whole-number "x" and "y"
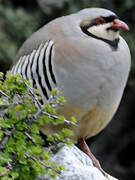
{"x": 118, "y": 24}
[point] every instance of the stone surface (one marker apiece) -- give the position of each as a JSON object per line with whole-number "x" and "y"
{"x": 78, "y": 166}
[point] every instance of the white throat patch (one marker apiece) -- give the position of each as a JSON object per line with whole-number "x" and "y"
{"x": 101, "y": 32}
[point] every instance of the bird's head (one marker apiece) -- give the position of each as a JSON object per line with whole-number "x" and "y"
{"x": 101, "y": 24}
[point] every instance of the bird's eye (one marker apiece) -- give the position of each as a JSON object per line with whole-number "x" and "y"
{"x": 100, "y": 20}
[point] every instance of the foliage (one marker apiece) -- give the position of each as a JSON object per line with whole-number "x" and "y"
{"x": 15, "y": 26}
{"x": 22, "y": 155}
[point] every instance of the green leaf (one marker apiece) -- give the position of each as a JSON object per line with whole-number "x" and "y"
{"x": 54, "y": 92}
{"x": 52, "y": 174}
{"x": 69, "y": 142}
{"x": 60, "y": 168}
{"x": 46, "y": 155}
{"x": 4, "y": 158}
{"x": 47, "y": 108}
{"x": 37, "y": 150}
{"x": 50, "y": 138}
{"x": 6, "y": 178}
{"x": 66, "y": 132}
{"x": 73, "y": 119}
{"x": 14, "y": 175}
{"x": 60, "y": 119}
{"x": 61, "y": 99}
{"x": 35, "y": 128}
{"x": 1, "y": 135}
{"x": 2, "y": 169}
{"x": 37, "y": 91}
{"x": 1, "y": 75}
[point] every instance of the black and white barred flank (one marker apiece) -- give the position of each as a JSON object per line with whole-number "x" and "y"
{"x": 37, "y": 67}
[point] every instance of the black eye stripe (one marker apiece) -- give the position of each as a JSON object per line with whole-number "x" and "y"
{"x": 107, "y": 19}
{"x": 110, "y": 18}
{"x": 94, "y": 23}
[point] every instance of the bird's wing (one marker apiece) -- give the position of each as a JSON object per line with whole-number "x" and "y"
{"x": 37, "y": 67}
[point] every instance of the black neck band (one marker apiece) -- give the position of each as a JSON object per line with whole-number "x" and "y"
{"x": 113, "y": 44}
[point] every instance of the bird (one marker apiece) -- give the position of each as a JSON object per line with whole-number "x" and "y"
{"x": 85, "y": 57}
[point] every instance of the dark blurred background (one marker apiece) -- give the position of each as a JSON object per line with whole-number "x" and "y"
{"x": 115, "y": 146}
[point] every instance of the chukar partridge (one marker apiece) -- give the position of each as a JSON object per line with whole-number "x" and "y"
{"x": 84, "y": 56}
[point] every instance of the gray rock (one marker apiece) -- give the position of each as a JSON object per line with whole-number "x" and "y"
{"x": 78, "y": 166}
